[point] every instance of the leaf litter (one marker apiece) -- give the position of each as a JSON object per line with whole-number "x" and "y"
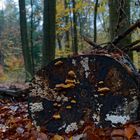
{"x": 15, "y": 124}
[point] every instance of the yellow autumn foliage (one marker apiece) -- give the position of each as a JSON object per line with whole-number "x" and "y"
{"x": 13, "y": 63}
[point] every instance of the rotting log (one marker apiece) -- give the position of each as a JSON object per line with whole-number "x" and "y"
{"x": 100, "y": 88}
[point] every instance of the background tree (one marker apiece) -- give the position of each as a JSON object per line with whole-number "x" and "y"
{"x": 75, "y": 33}
{"x": 34, "y": 24}
{"x": 24, "y": 40}
{"x": 49, "y": 31}
{"x": 1, "y": 21}
{"x": 31, "y": 34}
{"x": 119, "y": 15}
{"x": 95, "y": 20}
{"x": 67, "y": 36}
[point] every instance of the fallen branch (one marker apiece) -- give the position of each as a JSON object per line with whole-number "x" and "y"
{"x": 13, "y": 92}
{"x": 135, "y": 48}
{"x": 128, "y": 47}
{"x": 125, "y": 33}
{"x": 96, "y": 46}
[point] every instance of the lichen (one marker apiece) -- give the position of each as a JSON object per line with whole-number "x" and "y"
{"x": 96, "y": 118}
{"x": 63, "y": 126}
{"x": 74, "y": 62}
{"x": 85, "y": 65}
{"x": 117, "y": 118}
{"x": 132, "y": 106}
{"x": 36, "y": 107}
{"x": 72, "y": 127}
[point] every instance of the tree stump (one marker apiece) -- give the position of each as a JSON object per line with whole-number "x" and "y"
{"x": 71, "y": 92}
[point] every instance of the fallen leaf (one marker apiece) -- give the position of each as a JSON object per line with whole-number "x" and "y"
{"x": 117, "y": 132}
{"x": 129, "y": 131}
{"x": 42, "y": 136}
{"x": 29, "y": 126}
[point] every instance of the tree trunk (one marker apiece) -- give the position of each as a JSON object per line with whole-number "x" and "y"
{"x": 31, "y": 36}
{"x": 24, "y": 40}
{"x": 49, "y": 31}
{"x": 66, "y": 21}
{"x": 139, "y": 61}
{"x": 59, "y": 42}
{"x": 75, "y": 38}
{"x": 119, "y": 19}
{"x": 1, "y": 22}
{"x": 71, "y": 27}
{"x": 95, "y": 21}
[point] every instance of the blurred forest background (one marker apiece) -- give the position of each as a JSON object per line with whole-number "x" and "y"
{"x": 34, "y": 32}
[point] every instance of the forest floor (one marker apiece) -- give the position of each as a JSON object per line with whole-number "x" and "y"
{"x": 15, "y": 124}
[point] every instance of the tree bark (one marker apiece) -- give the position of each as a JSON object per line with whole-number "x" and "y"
{"x": 59, "y": 42}
{"x": 66, "y": 21}
{"x": 75, "y": 37}
{"x": 95, "y": 21}
{"x": 119, "y": 11}
{"x": 24, "y": 40}
{"x": 49, "y": 31}
{"x": 1, "y": 21}
{"x": 31, "y": 36}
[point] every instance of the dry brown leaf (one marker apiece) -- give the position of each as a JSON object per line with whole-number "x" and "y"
{"x": 129, "y": 131}
{"x": 117, "y": 132}
{"x": 89, "y": 129}
{"x": 32, "y": 138}
{"x": 91, "y": 136}
{"x": 28, "y": 126}
{"x": 42, "y": 136}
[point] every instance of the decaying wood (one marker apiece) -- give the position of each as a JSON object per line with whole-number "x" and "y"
{"x": 13, "y": 92}
{"x": 70, "y": 92}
